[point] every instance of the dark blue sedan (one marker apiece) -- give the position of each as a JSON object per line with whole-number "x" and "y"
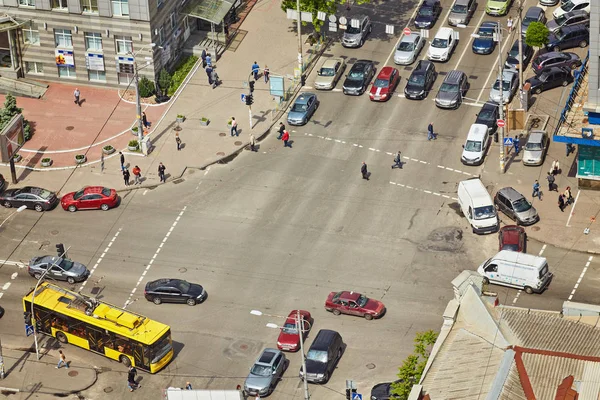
{"x": 428, "y": 13}
{"x": 484, "y": 42}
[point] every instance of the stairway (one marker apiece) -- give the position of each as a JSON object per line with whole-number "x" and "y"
{"x": 22, "y": 87}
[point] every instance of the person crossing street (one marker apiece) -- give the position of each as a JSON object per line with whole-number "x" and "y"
{"x": 364, "y": 171}
{"x": 397, "y": 161}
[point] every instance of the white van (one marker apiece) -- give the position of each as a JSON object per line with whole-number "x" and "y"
{"x": 518, "y": 270}
{"x": 476, "y": 204}
{"x": 474, "y": 149}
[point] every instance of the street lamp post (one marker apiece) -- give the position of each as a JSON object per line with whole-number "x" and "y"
{"x": 501, "y": 105}
{"x": 18, "y": 210}
{"x": 138, "y": 100}
{"x": 299, "y": 24}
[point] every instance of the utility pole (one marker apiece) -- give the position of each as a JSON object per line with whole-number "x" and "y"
{"x": 299, "y": 327}
{"x": 501, "y": 105}
{"x": 521, "y": 66}
{"x": 250, "y": 100}
{"x": 299, "y": 22}
{"x": 138, "y": 103}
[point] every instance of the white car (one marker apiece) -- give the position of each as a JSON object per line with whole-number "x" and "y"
{"x": 572, "y": 5}
{"x": 476, "y": 145}
{"x": 409, "y": 48}
{"x": 442, "y": 45}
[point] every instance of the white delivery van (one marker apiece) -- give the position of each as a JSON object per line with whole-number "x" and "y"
{"x": 476, "y": 204}
{"x": 518, "y": 270}
{"x": 173, "y": 393}
{"x": 476, "y": 145}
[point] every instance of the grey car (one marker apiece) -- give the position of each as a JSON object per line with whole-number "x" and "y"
{"x": 510, "y": 84}
{"x": 330, "y": 73}
{"x": 534, "y": 151}
{"x": 355, "y": 36}
{"x": 568, "y": 19}
{"x": 453, "y": 89}
{"x": 409, "y": 48}
{"x": 60, "y": 269}
{"x": 533, "y": 14}
{"x": 516, "y": 206}
{"x": 265, "y": 373}
{"x": 303, "y": 108}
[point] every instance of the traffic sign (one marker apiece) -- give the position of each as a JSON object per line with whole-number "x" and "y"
{"x": 28, "y": 330}
{"x": 406, "y": 31}
{"x": 243, "y": 97}
{"x": 501, "y": 123}
{"x": 356, "y": 396}
{"x": 508, "y": 141}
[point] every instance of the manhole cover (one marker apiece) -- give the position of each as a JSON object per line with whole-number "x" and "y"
{"x": 54, "y": 232}
{"x": 73, "y": 373}
{"x": 371, "y": 366}
{"x": 220, "y": 153}
{"x": 243, "y": 347}
{"x": 176, "y": 181}
{"x": 182, "y": 270}
{"x": 70, "y": 128}
{"x": 238, "y": 143}
{"x": 222, "y": 134}
{"x": 535, "y": 228}
{"x": 108, "y": 390}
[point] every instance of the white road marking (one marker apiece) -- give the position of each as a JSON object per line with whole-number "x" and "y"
{"x": 580, "y": 278}
{"x": 207, "y": 170}
{"x": 494, "y": 70}
{"x": 573, "y": 208}
{"x": 517, "y": 296}
{"x": 145, "y": 191}
{"x": 15, "y": 263}
{"x": 412, "y": 17}
{"x": 307, "y": 87}
{"x": 100, "y": 259}
{"x": 467, "y": 47}
{"x": 542, "y": 250}
{"x": 336, "y": 90}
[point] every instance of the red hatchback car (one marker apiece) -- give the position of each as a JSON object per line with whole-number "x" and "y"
{"x": 354, "y": 304}
{"x": 385, "y": 84}
{"x": 513, "y": 238}
{"x": 90, "y": 198}
{"x": 289, "y": 338}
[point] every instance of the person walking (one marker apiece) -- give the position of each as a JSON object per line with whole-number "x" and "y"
{"x": 281, "y": 130}
{"x": 252, "y": 142}
{"x": 209, "y": 72}
{"x": 188, "y": 386}
{"x": 555, "y": 167}
{"x": 551, "y": 180}
{"x": 102, "y": 162}
{"x": 536, "y": 190}
{"x": 214, "y": 77}
{"x": 145, "y": 120}
{"x": 62, "y": 360}
{"x": 234, "y": 127}
{"x": 561, "y": 202}
{"x": 568, "y": 196}
{"x": 430, "y": 134}
{"x": 77, "y": 93}
{"x": 126, "y": 176}
{"x": 509, "y": 24}
{"x": 255, "y": 70}
{"x": 137, "y": 174}
{"x": 131, "y": 374}
{"x": 178, "y": 141}
{"x": 570, "y": 149}
{"x": 208, "y": 59}
{"x": 161, "y": 172}
{"x": 286, "y": 138}
{"x": 266, "y": 73}
{"x": 517, "y": 143}
{"x": 122, "y": 161}
{"x": 397, "y": 161}
{"x": 203, "y": 56}
{"x": 363, "y": 171}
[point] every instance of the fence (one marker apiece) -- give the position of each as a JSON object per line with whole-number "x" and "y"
{"x": 579, "y": 78}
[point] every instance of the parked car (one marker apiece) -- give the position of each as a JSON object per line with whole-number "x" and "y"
{"x": 443, "y": 44}
{"x": 578, "y": 17}
{"x": 572, "y": 5}
{"x": 512, "y": 58}
{"x": 421, "y": 80}
{"x": 568, "y": 37}
{"x": 359, "y": 77}
{"x": 510, "y": 84}
{"x": 461, "y": 12}
{"x": 488, "y": 115}
{"x": 475, "y": 147}
{"x": 58, "y": 268}
{"x": 322, "y": 356}
{"x": 174, "y": 291}
{"x": 549, "y": 79}
{"x": 2, "y": 183}
{"x": 484, "y": 42}
{"x": 385, "y": 84}
{"x": 555, "y": 59}
{"x": 534, "y": 151}
{"x": 355, "y": 37}
{"x": 409, "y": 48}
{"x": 548, "y": 3}
{"x": 32, "y": 197}
{"x": 354, "y": 304}
{"x": 515, "y": 206}
{"x": 265, "y": 373}
{"x": 497, "y": 7}
{"x": 330, "y": 73}
{"x": 452, "y": 91}
{"x": 428, "y": 13}
{"x": 304, "y": 107}
{"x": 90, "y": 198}
{"x": 289, "y": 337}
{"x": 383, "y": 391}
{"x": 513, "y": 238}
{"x": 533, "y": 14}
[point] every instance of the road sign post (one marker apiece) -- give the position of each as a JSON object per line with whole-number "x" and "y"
{"x": 406, "y": 31}
{"x": 501, "y": 123}
{"x": 243, "y": 97}
{"x": 508, "y": 141}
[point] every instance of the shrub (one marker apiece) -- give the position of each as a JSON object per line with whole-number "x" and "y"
{"x": 146, "y": 87}
{"x": 181, "y": 71}
{"x": 10, "y": 110}
{"x": 135, "y": 128}
{"x": 537, "y": 34}
{"x": 164, "y": 81}
{"x": 133, "y": 143}
{"x": 45, "y": 160}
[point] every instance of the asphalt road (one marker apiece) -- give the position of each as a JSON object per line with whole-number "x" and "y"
{"x": 279, "y": 229}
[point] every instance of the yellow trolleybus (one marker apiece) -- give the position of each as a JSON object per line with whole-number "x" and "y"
{"x": 102, "y": 328}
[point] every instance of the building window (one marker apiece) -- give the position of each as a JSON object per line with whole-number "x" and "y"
{"x": 63, "y": 38}
{"x": 31, "y": 35}
{"x": 125, "y": 78}
{"x": 120, "y": 7}
{"x": 28, "y": 3}
{"x": 93, "y": 41}
{"x": 161, "y": 35}
{"x": 34, "y": 67}
{"x": 66, "y": 72}
{"x": 97, "y": 76}
{"x": 159, "y": 3}
{"x": 59, "y": 4}
{"x": 123, "y": 44}
{"x": 173, "y": 20}
{"x": 89, "y": 6}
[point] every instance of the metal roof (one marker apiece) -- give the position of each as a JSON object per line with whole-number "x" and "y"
{"x": 209, "y": 10}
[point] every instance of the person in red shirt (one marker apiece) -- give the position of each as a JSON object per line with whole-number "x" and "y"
{"x": 286, "y": 138}
{"x": 137, "y": 174}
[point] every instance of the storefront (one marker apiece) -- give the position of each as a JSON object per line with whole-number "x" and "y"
{"x": 10, "y": 47}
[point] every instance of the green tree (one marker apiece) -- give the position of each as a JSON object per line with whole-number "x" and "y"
{"x": 164, "y": 81}
{"x": 9, "y": 110}
{"x": 537, "y": 35}
{"x": 313, "y": 6}
{"x": 409, "y": 373}
{"x": 146, "y": 87}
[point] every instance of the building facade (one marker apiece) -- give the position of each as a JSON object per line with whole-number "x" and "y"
{"x": 92, "y": 42}
{"x": 592, "y": 106}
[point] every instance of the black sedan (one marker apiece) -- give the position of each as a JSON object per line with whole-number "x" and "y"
{"x": 549, "y": 79}
{"x": 428, "y": 13}
{"x": 512, "y": 58}
{"x": 382, "y": 391}
{"x": 420, "y": 81}
{"x": 488, "y": 115}
{"x": 34, "y": 198}
{"x": 359, "y": 77}
{"x": 174, "y": 291}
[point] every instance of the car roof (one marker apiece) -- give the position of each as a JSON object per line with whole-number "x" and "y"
{"x": 323, "y": 338}
{"x": 536, "y": 136}
{"x": 511, "y": 193}
{"x": 410, "y": 38}
{"x": 444, "y": 32}
{"x": 267, "y": 356}
{"x": 385, "y": 72}
{"x": 48, "y": 259}
{"x": 353, "y": 296}
{"x": 360, "y": 65}
{"x": 422, "y": 66}
{"x": 574, "y": 27}
{"x": 576, "y": 13}
{"x": 93, "y": 189}
{"x": 508, "y": 74}
{"x": 489, "y": 104}
{"x": 477, "y": 132}
{"x": 512, "y": 232}
{"x": 550, "y": 54}
{"x": 303, "y": 98}
{"x": 554, "y": 69}
{"x": 330, "y": 63}
{"x": 163, "y": 282}
{"x": 429, "y": 3}
{"x": 534, "y": 12}
{"x": 488, "y": 24}
{"x": 454, "y": 76}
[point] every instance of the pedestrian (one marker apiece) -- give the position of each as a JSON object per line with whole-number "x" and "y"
{"x": 509, "y": 24}
{"x": 145, "y": 120}
{"x": 126, "y": 176}
{"x": 131, "y": 374}
{"x": 281, "y": 130}
{"x": 178, "y": 141}
{"x": 397, "y": 161}
{"x": 551, "y": 179}
{"x": 286, "y": 138}
{"x": 555, "y": 167}
{"x": 208, "y": 59}
{"x": 122, "y": 161}
{"x": 561, "y": 202}
{"x": 137, "y": 174}
{"x": 102, "y": 162}
{"x": 188, "y": 386}
{"x": 161, "y": 172}
{"x": 517, "y": 143}
{"x": 266, "y": 73}
{"x": 62, "y": 360}
{"x": 536, "y": 190}
{"x": 568, "y": 196}
{"x": 203, "y": 56}
{"x": 255, "y": 70}
{"x": 570, "y": 149}
{"x": 252, "y": 142}
{"x": 209, "y": 73}
{"x": 364, "y": 172}
{"x": 234, "y": 127}
{"x": 77, "y": 93}
{"x": 430, "y": 134}
{"x": 214, "y": 77}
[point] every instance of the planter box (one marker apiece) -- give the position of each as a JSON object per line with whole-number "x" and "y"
{"x": 109, "y": 151}
{"x": 180, "y": 120}
{"x": 134, "y": 133}
{"x": 132, "y": 148}
{"x": 80, "y": 160}
{"x": 46, "y": 163}
{"x": 204, "y": 122}
{"x": 17, "y": 157}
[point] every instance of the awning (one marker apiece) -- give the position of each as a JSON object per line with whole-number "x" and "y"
{"x": 209, "y": 10}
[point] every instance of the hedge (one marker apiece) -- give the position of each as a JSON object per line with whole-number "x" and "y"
{"x": 181, "y": 71}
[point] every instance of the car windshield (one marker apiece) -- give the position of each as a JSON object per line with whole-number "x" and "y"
{"x": 459, "y": 8}
{"x": 260, "y": 370}
{"x": 505, "y": 85}
{"x": 533, "y": 146}
{"x": 78, "y": 194}
{"x": 406, "y": 46}
{"x": 485, "y": 212}
{"x": 544, "y": 76}
{"x": 473, "y": 145}
{"x": 439, "y": 43}
{"x": 356, "y": 75}
{"x": 381, "y": 83}
{"x": 528, "y": 20}
{"x": 425, "y": 12}
{"x": 521, "y": 205}
{"x": 317, "y": 355}
{"x": 106, "y": 192}
{"x": 327, "y": 72}
{"x": 417, "y": 79}
{"x": 352, "y": 30}
{"x": 290, "y": 328}
{"x": 66, "y": 264}
{"x": 449, "y": 87}
{"x": 486, "y": 115}
{"x": 514, "y": 51}
{"x": 567, "y": 5}
{"x": 511, "y": 247}
{"x": 45, "y": 194}
{"x": 299, "y": 107}
{"x": 560, "y": 20}
{"x": 161, "y": 347}
{"x": 486, "y": 32}
{"x": 362, "y": 300}
{"x": 183, "y": 286}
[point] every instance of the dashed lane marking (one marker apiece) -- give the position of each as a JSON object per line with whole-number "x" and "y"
{"x": 587, "y": 264}
{"x": 423, "y": 190}
{"x": 542, "y": 250}
{"x": 7, "y": 284}
{"x": 101, "y": 258}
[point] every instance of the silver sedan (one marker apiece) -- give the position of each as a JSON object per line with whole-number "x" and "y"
{"x": 409, "y": 48}
{"x": 510, "y": 83}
